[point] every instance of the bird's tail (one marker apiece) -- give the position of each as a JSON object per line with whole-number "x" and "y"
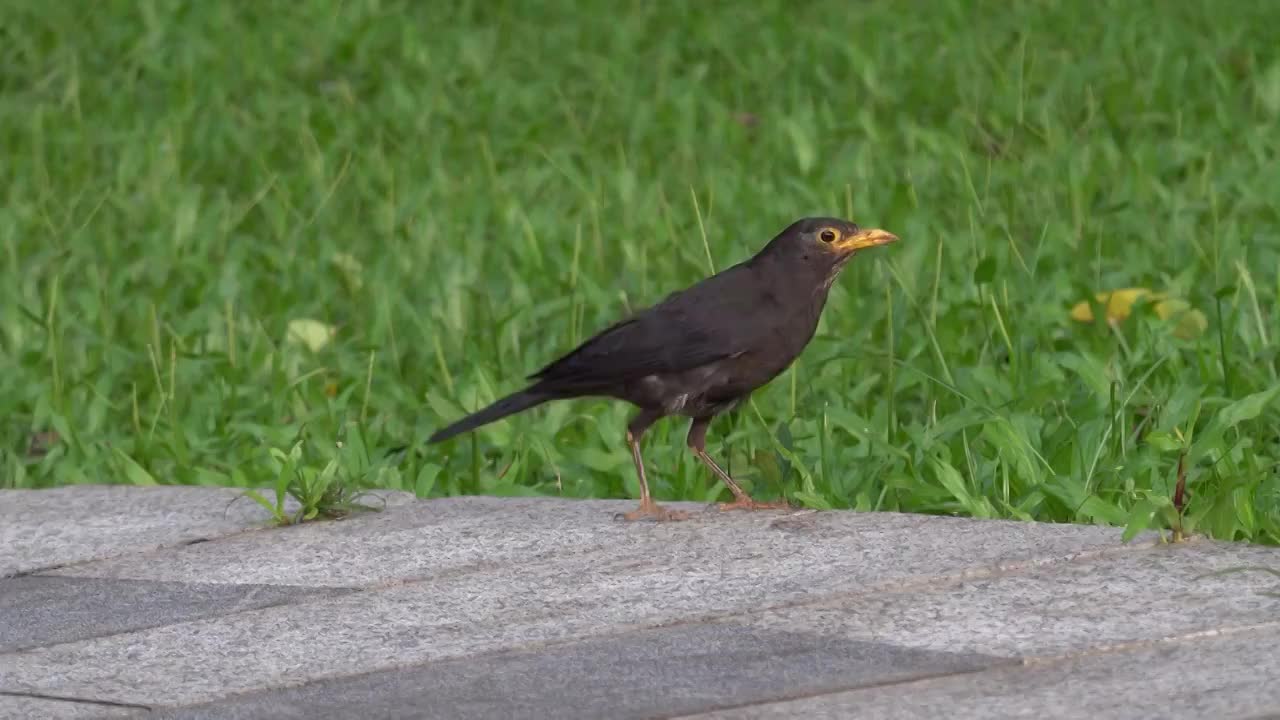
{"x": 508, "y": 405}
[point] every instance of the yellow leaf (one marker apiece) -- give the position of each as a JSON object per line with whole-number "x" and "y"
{"x": 1189, "y": 322}
{"x": 1119, "y": 303}
{"x": 351, "y": 269}
{"x": 312, "y": 333}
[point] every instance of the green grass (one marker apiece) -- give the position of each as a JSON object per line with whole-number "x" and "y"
{"x": 464, "y": 190}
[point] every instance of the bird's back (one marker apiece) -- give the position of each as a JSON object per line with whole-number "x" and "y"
{"x": 737, "y": 311}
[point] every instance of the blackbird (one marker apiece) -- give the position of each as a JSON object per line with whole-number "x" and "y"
{"x": 702, "y": 350}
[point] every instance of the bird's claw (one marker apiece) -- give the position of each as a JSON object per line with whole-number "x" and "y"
{"x": 653, "y": 512}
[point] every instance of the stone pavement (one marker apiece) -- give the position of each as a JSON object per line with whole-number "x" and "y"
{"x": 175, "y": 602}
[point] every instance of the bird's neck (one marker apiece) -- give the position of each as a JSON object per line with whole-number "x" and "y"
{"x": 799, "y": 284}
{"x": 802, "y": 279}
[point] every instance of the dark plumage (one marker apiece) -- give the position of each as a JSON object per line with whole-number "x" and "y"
{"x": 704, "y": 349}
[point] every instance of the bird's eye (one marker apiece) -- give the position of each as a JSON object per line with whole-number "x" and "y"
{"x": 828, "y": 236}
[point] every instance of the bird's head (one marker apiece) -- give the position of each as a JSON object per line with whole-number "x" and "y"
{"x": 826, "y": 241}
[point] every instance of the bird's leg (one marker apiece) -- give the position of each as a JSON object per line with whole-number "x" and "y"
{"x": 741, "y": 500}
{"x": 648, "y": 510}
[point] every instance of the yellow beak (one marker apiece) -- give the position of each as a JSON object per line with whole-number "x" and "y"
{"x": 865, "y": 239}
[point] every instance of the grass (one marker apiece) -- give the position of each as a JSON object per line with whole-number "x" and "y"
{"x": 439, "y": 197}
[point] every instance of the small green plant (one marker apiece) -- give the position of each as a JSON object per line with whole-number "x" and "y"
{"x": 1214, "y": 461}
{"x": 323, "y": 479}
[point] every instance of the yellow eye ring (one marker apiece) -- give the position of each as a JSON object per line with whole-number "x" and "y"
{"x": 828, "y": 236}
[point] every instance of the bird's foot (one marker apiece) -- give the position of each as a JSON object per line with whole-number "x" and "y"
{"x": 654, "y": 512}
{"x": 746, "y": 503}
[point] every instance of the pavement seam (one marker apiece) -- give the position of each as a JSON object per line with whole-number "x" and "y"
{"x": 82, "y": 701}
{"x": 143, "y": 552}
{"x": 913, "y": 584}
{"x": 1018, "y": 663}
{"x": 906, "y": 583}
{"x": 266, "y": 525}
{"x": 792, "y": 697}
{"x": 1127, "y": 646}
{"x": 998, "y": 663}
{"x": 334, "y": 594}
{"x": 263, "y": 525}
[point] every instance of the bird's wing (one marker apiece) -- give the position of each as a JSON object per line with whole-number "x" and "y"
{"x": 709, "y": 321}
